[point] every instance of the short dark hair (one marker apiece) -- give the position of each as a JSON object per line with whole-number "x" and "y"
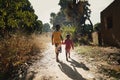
{"x": 57, "y": 27}
{"x": 68, "y": 35}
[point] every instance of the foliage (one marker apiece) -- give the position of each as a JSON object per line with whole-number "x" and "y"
{"x": 87, "y": 29}
{"x": 15, "y": 14}
{"x": 52, "y": 19}
{"x": 59, "y": 18}
{"x": 38, "y": 26}
{"x": 46, "y": 27}
{"x": 76, "y": 11}
{"x": 68, "y": 30}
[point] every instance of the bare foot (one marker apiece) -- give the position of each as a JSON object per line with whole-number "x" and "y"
{"x": 69, "y": 57}
{"x": 66, "y": 59}
{"x": 57, "y": 60}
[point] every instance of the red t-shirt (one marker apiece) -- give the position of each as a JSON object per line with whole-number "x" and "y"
{"x": 68, "y": 44}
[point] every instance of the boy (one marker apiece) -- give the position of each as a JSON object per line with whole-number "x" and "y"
{"x": 68, "y": 44}
{"x": 57, "y": 40}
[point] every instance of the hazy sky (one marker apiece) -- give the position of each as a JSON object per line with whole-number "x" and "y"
{"x": 43, "y": 8}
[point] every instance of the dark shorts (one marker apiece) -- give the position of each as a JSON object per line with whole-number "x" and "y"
{"x": 57, "y": 44}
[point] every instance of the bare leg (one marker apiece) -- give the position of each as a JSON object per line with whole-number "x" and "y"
{"x": 69, "y": 54}
{"x": 57, "y": 57}
{"x": 59, "y": 49}
{"x": 66, "y": 56}
{"x": 57, "y": 53}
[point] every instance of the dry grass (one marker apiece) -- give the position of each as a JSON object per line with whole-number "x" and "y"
{"x": 40, "y": 41}
{"x": 18, "y": 49}
{"x": 105, "y": 58}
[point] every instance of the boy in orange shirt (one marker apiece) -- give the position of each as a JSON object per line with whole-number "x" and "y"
{"x": 57, "y": 40}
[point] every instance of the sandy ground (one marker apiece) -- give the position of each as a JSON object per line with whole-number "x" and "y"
{"x": 48, "y": 69}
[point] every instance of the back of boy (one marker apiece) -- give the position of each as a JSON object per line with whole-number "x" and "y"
{"x": 56, "y": 40}
{"x": 56, "y": 37}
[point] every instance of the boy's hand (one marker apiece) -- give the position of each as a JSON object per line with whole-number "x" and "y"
{"x": 52, "y": 43}
{"x": 73, "y": 48}
{"x": 62, "y": 42}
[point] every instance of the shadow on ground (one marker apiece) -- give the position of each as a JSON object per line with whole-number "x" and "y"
{"x": 72, "y": 72}
{"x": 79, "y": 65}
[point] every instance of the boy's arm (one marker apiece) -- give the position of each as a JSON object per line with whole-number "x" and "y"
{"x": 61, "y": 38}
{"x": 64, "y": 42}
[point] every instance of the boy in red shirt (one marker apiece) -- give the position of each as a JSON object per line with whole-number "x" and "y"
{"x": 68, "y": 44}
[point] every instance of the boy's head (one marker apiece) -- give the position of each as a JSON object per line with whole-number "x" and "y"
{"x": 68, "y": 36}
{"x": 57, "y": 27}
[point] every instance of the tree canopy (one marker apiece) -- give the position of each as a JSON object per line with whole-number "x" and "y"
{"x": 46, "y": 27}
{"x": 73, "y": 12}
{"x": 76, "y": 11}
{"x": 18, "y": 15}
{"x": 59, "y": 18}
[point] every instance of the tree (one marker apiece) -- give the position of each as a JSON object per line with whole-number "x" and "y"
{"x": 17, "y": 15}
{"x": 77, "y": 11}
{"x": 46, "y": 27}
{"x": 52, "y": 19}
{"x": 38, "y": 26}
{"x": 59, "y": 18}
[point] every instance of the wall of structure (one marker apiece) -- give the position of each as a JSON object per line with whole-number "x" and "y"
{"x": 110, "y": 24}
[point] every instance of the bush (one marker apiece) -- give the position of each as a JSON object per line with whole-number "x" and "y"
{"x": 68, "y": 30}
{"x": 17, "y": 49}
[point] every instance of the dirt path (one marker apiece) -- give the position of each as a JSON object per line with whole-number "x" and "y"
{"x": 48, "y": 69}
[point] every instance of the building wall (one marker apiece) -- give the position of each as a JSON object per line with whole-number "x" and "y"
{"x": 110, "y": 24}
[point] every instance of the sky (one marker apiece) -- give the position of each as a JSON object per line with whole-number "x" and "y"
{"x": 43, "y": 8}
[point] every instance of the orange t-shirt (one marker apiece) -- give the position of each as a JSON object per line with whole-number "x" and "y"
{"x": 57, "y": 37}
